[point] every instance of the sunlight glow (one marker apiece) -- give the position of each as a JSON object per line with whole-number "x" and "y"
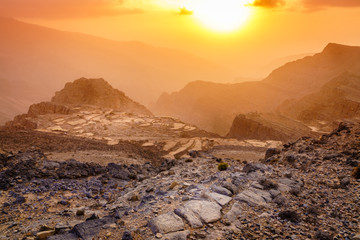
{"x": 221, "y": 16}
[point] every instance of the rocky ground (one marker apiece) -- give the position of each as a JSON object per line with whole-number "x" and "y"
{"x": 304, "y": 190}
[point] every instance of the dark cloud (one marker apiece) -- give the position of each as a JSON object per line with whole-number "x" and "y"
{"x": 64, "y": 8}
{"x": 184, "y": 11}
{"x": 268, "y": 3}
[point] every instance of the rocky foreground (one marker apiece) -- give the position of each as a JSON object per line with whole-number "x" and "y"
{"x": 306, "y": 190}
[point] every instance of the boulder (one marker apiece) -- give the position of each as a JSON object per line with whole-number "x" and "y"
{"x": 166, "y": 223}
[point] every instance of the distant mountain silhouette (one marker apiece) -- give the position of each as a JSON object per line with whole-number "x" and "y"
{"x": 213, "y": 106}
{"x": 36, "y": 61}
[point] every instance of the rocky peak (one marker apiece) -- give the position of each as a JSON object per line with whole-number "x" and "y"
{"x": 339, "y": 49}
{"x": 97, "y": 92}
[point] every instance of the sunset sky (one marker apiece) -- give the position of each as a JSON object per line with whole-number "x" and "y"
{"x": 244, "y": 35}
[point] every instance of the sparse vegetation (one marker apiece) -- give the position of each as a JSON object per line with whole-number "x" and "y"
{"x": 223, "y": 166}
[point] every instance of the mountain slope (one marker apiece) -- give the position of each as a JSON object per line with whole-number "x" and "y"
{"x": 214, "y": 106}
{"x": 338, "y": 99}
{"x": 267, "y": 127}
{"x": 37, "y": 61}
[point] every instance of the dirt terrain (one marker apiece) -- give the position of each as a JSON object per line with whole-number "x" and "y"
{"x": 308, "y": 189}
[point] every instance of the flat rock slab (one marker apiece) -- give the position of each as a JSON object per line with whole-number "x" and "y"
{"x": 186, "y": 213}
{"x": 221, "y": 190}
{"x": 166, "y": 223}
{"x": 207, "y": 211}
{"x": 251, "y": 198}
{"x": 219, "y": 198}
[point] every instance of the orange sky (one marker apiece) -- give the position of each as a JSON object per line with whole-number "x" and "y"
{"x": 275, "y": 29}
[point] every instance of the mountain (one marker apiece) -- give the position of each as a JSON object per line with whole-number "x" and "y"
{"x": 213, "y": 106}
{"x": 36, "y": 61}
{"x": 97, "y": 92}
{"x": 337, "y": 100}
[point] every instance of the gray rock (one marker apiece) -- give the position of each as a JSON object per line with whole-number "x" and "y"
{"x": 87, "y": 230}
{"x": 257, "y": 185}
{"x": 344, "y": 182}
{"x": 274, "y": 193}
{"x": 254, "y": 197}
{"x": 166, "y": 223}
{"x": 253, "y": 167}
{"x": 219, "y": 198}
{"x": 207, "y": 211}
{"x": 234, "y": 212}
{"x": 182, "y": 235}
{"x": 286, "y": 184}
{"x": 65, "y": 236}
{"x": 221, "y": 190}
{"x": 189, "y": 216}
{"x": 229, "y": 186}
{"x": 263, "y": 193}
{"x": 62, "y": 227}
{"x": 51, "y": 165}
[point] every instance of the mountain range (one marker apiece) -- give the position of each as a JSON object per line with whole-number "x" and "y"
{"x": 213, "y": 106}
{"x": 35, "y": 61}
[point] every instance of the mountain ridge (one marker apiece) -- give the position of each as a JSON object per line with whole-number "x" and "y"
{"x": 216, "y": 106}
{"x": 44, "y": 59}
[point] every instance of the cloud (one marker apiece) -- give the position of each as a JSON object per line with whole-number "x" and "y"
{"x": 331, "y": 3}
{"x": 184, "y": 11}
{"x": 268, "y": 3}
{"x": 64, "y": 8}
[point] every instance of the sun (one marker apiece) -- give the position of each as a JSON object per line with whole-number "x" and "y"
{"x": 221, "y": 15}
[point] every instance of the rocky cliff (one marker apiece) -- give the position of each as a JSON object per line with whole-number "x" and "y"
{"x": 267, "y": 127}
